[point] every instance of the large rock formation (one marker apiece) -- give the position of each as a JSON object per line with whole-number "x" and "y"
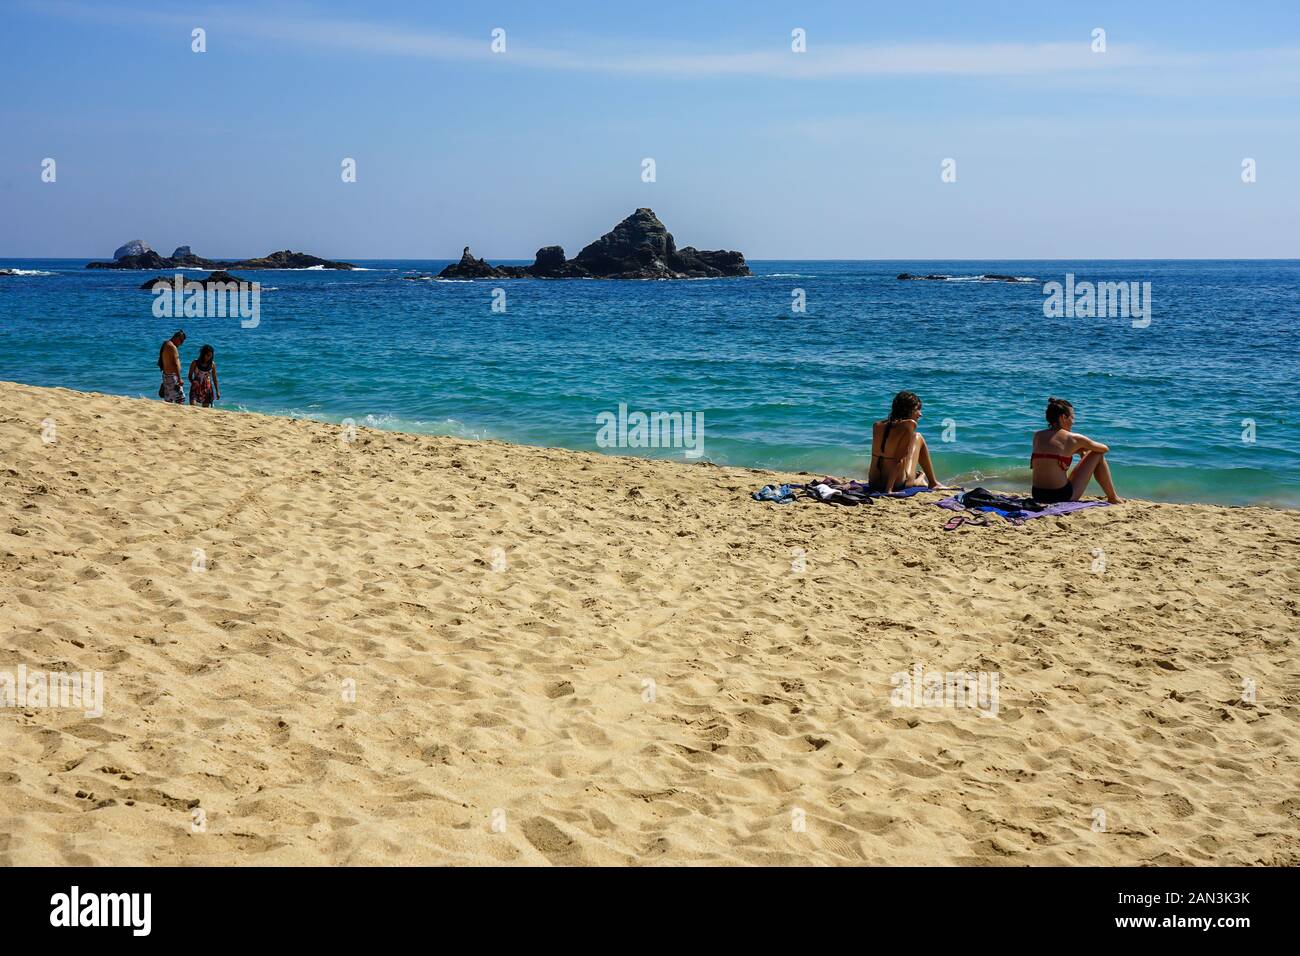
{"x": 141, "y": 260}
{"x": 136, "y": 247}
{"x": 184, "y": 258}
{"x": 639, "y": 247}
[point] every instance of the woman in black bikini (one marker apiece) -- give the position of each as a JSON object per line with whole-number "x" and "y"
{"x": 1053, "y": 451}
{"x": 897, "y": 448}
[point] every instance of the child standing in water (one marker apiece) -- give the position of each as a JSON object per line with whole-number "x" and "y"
{"x": 204, "y": 389}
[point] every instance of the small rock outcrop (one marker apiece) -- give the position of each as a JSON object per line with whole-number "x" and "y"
{"x": 138, "y": 255}
{"x": 549, "y": 261}
{"x": 470, "y": 268}
{"x": 986, "y": 277}
{"x": 287, "y": 259}
{"x": 639, "y": 247}
{"x": 215, "y": 278}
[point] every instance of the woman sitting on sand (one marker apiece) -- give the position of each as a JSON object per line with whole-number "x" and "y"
{"x": 897, "y": 449}
{"x": 1054, "y": 449}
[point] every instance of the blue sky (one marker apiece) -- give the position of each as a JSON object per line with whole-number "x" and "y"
{"x": 832, "y": 153}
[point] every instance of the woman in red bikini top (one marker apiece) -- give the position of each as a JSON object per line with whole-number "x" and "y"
{"x": 1053, "y": 451}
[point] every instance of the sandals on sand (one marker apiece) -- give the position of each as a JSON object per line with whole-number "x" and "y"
{"x": 956, "y": 521}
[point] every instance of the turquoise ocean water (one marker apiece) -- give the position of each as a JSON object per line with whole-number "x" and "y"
{"x": 1177, "y": 401}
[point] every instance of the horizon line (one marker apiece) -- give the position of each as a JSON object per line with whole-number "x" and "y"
{"x": 747, "y": 259}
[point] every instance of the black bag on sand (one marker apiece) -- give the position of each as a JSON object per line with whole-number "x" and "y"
{"x": 983, "y": 498}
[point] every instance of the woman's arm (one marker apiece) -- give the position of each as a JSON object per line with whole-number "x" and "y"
{"x": 926, "y": 465}
{"x": 216, "y": 389}
{"x": 192, "y": 364}
{"x": 1082, "y": 443}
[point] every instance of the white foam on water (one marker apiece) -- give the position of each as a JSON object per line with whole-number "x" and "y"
{"x": 981, "y": 278}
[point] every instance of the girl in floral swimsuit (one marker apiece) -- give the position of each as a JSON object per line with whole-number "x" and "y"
{"x": 204, "y": 389}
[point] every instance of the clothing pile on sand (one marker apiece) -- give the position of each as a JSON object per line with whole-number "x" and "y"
{"x": 830, "y": 491}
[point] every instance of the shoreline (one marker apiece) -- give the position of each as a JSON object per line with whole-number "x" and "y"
{"x": 997, "y": 483}
{"x": 414, "y": 649}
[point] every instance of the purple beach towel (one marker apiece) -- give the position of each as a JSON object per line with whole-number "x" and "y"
{"x": 1060, "y": 508}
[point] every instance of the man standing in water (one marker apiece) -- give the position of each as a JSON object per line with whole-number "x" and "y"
{"x": 169, "y": 360}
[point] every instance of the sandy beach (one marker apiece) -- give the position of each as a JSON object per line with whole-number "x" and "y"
{"x": 402, "y": 649}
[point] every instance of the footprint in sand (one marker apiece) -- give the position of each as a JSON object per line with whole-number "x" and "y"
{"x": 552, "y": 842}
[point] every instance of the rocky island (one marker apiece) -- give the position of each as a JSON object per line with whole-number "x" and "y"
{"x": 136, "y": 254}
{"x": 214, "y": 279}
{"x": 639, "y": 247}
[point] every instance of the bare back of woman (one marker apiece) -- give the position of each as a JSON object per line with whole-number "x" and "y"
{"x": 898, "y": 449}
{"x": 1053, "y": 451}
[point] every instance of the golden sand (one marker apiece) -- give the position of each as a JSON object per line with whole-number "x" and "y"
{"x": 639, "y": 675}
